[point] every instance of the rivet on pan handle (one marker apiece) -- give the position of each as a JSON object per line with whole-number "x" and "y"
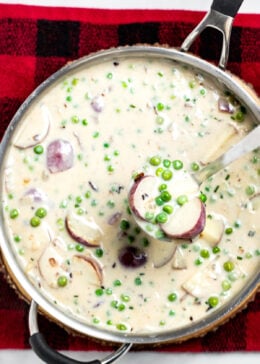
{"x": 50, "y": 356}
{"x": 220, "y": 17}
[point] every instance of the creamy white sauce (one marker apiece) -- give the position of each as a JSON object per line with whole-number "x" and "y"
{"x": 115, "y": 116}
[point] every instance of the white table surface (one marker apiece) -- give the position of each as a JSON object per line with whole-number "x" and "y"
{"x": 28, "y": 356}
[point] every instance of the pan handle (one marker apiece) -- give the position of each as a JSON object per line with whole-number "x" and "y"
{"x": 50, "y": 356}
{"x": 220, "y": 17}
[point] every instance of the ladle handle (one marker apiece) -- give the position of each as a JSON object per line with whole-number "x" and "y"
{"x": 246, "y": 145}
{"x": 227, "y": 7}
{"x": 220, "y": 17}
{"x": 50, "y": 356}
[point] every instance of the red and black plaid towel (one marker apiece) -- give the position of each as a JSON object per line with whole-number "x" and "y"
{"x": 35, "y": 42}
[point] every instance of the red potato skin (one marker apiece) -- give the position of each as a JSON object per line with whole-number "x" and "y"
{"x": 95, "y": 265}
{"x": 165, "y": 260}
{"x": 77, "y": 238}
{"x": 140, "y": 177}
{"x": 36, "y": 138}
{"x": 195, "y": 231}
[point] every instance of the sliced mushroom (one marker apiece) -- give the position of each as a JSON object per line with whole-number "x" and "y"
{"x": 84, "y": 231}
{"x": 51, "y": 265}
{"x": 88, "y": 269}
{"x": 161, "y": 252}
{"x": 32, "y": 132}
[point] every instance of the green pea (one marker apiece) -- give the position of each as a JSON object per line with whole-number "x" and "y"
{"x": 250, "y": 190}
{"x": 195, "y": 166}
{"x": 35, "y": 221}
{"x": 166, "y": 175}
{"x": 226, "y": 285}
{"x": 124, "y": 224}
{"x": 159, "y": 234}
{"x": 79, "y": 247}
{"x": 99, "y": 292}
{"x": 121, "y": 327}
{"x": 95, "y": 134}
{"x": 114, "y": 304}
{"x": 99, "y": 252}
{"x": 158, "y": 171}
{"x": 62, "y": 281}
{"x": 149, "y": 216}
{"x": 17, "y": 238}
{"x": 80, "y": 211}
{"x": 215, "y": 249}
{"x": 75, "y": 119}
{"x": 14, "y": 213}
{"x": 107, "y": 158}
{"x": 162, "y": 187}
{"x": 138, "y": 281}
{"x": 38, "y": 149}
{"x": 117, "y": 283}
{"x": 125, "y": 298}
{"x": 159, "y": 201}
{"x": 198, "y": 261}
{"x": 168, "y": 209}
{"x": 110, "y": 168}
{"x": 203, "y": 197}
{"x": 75, "y": 81}
{"x": 88, "y": 194}
{"x": 204, "y": 253}
{"x": 213, "y": 301}
{"x": 177, "y": 164}
{"x": 41, "y": 212}
{"x": 21, "y": 251}
{"x": 96, "y": 320}
{"x": 166, "y": 163}
{"x": 237, "y": 224}
{"x": 229, "y": 266}
{"x": 137, "y": 230}
{"x": 229, "y": 230}
{"x": 240, "y": 116}
{"x": 160, "y": 106}
{"x": 145, "y": 242}
{"x": 109, "y": 291}
{"x": 161, "y": 218}
{"x": 192, "y": 84}
{"x": 121, "y": 307}
{"x": 182, "y": 199}
{"x": 130, "y": 238}
{"x": 159, "y": 120}
{"x": 172, "y": 297}
{"x": 166, "y": 196}
{"x": 155, "y": 160}
{"x": 111, "y": 204}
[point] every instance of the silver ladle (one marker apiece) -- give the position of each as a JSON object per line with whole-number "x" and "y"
{"x": 249, "y": 143}
{"x": 244, "y": 146}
